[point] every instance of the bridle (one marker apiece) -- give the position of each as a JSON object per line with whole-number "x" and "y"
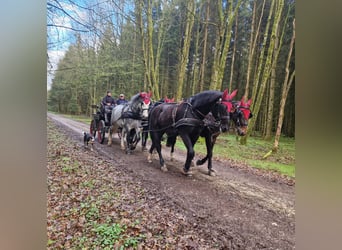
{"x": 241, "y": 112}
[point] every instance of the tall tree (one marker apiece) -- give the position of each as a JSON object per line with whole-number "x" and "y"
{"x": 285, "y": 90}
{"x": 184, "y": 55}
{"x": 252, "y": 44}
{"x": 205, "y": 42}
{"x": 233, "y": 54}
{"x": 223, "y": 41}
{"x": 266, "y": 67}
{"x": 270, "y": 104}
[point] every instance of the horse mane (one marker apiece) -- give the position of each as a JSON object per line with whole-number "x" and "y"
{"x": 204, "y": 98}
{"x": 135, "y": 98}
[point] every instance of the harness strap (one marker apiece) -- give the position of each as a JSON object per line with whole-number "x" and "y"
{"x": 189, "y": 122}
{"x": 131, "y": 115}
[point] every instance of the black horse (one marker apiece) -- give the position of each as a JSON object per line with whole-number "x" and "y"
{"x": 186, "y": 120}
{"x": 239, "y": 113}
{"x": 210, "y": 131}
{"x": 144, "y": 122}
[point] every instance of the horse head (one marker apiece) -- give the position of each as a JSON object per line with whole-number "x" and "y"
{"x": 241, "y": 114}
{"x": 167, "y": 100}
{"x": 145, "y": 99}
{"x": 222, "y": 110}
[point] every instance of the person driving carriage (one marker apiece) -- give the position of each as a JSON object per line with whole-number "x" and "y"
{"x": 121, "y": 100}
{"x": 108, "y": 103}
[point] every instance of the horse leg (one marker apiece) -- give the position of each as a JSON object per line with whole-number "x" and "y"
{"x": 156, "y": 143}
{"x": 144, "y": 135}
{"x": 110, "y": 130}
{"x": 171, "y": 141}
{"x": 135, "y": 139}
{"x": 128, "y": 142}
{"x": 208, "y": 143}
{"x": 123, "y": 137}
{"x": 212, "y": 141}
{"x": 149, "y": 157}
{"x": 172, "y": 150}
{"x": 190, "y": 152}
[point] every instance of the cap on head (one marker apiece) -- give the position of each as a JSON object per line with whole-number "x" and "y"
{"x": 122, "y": 95}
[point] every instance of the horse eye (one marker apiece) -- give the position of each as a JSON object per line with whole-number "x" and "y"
{"x": 250, "y": 115}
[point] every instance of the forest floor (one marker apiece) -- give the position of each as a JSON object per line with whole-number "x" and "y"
{"x": 105, "y": 199}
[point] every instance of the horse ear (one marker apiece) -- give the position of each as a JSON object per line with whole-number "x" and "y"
{"x": 249, "y": 102}
{"x": 242, "y": 101}
{"x": 172, "y": 100}
{"x": 233, "y": 94}
{"x": 150, "y": 93}
{"x": 225, "y": 95}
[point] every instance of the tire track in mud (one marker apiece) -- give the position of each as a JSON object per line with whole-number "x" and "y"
{"x": 240, "y": 209}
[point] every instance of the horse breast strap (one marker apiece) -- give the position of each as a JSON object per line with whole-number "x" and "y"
{"x": 186, "y": 121}
{"x": 127, "y": 113}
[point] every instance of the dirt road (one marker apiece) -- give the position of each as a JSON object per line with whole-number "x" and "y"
{"x": 237, "y": 208}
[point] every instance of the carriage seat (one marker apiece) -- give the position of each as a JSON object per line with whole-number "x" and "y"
{"x": 106, "y": 112}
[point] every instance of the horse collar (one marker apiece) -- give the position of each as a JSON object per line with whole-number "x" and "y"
{"x": 193, "y": 109}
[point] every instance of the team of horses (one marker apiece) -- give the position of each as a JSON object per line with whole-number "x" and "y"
{"x": 205, "y": 114}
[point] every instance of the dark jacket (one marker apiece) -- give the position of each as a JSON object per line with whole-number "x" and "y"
{"x": 108, "y": 99}
{"x": 121, "y": 101}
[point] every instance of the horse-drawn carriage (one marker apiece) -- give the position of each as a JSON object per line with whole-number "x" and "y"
{"x": 98, "y": 123}
{"x": 205, "y": 114}
{"x": 125, "y": 119}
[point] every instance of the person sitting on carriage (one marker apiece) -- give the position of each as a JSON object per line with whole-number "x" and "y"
{"x": 108, "y": 103}
{"x": 121, "y": 100}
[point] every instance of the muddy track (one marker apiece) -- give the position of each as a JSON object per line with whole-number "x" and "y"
{"x": 237, "y": 208}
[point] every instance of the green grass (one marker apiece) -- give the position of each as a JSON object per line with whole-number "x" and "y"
{"x": 228, "y": 147}
{"x": 80, "y": 118}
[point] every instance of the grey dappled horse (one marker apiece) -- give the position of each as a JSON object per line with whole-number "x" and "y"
{"x": 128, "y": 116}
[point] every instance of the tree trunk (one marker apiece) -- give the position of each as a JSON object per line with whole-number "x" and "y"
{"x": 252, "y": 45}
{"x": 285, "y": 91}
{"x": 205, "y": 41}
{"x": 267, "y": 67}
{"x": 139, "y": 5}
{"x": 223, "y": 44}
{"x": 184, "y": 55}
{"x": 155, "y": 85}
{"x": 269, "y": 119}
{"x": 195, "y": 69}
{"x": 277, "y": 48}
{"x": 233, "y": 56}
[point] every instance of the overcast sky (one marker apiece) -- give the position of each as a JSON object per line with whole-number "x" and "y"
{"x": 59, "y": 37}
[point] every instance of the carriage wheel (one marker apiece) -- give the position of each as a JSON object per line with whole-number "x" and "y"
{"x": 101, "y": 131}
{"x": 93, "y": 128}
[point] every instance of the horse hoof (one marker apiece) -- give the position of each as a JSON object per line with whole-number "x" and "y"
{"x": 187, "y": 173}
{"x": 199, "y": 163}
{"x": 164, "y": 168}
{"x": 149, "y": 158}
{"x": 212, "y": 172}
